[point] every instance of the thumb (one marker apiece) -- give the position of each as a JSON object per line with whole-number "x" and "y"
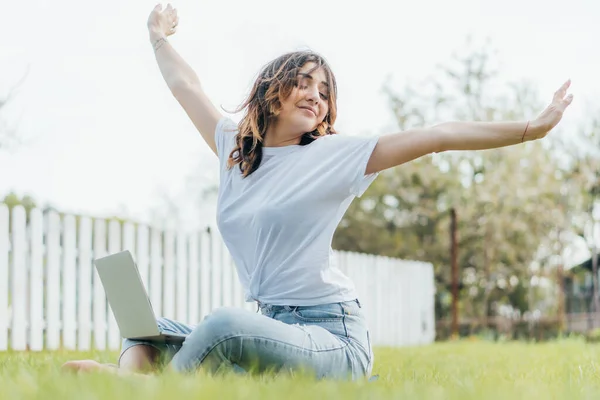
{"x": 568, "y": 99}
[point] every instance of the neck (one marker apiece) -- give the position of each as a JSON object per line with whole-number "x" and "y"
{"x": 275, "y": 137}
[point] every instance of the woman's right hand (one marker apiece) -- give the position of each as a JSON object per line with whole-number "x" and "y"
{"x": 162, "y": 23}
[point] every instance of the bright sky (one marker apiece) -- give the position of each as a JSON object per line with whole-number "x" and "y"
{"x": 105, "y": 136}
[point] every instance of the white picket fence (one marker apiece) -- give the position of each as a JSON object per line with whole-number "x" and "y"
{"x": 51, "y": 296}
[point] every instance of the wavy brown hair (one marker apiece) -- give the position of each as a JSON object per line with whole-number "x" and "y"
{"x": 274, "y": 84}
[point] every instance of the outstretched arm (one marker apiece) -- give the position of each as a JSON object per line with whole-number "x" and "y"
{"x": 396, "y": 149}
{"x": 179, "y": 76}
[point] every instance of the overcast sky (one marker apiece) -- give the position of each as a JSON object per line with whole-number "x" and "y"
{"x": 103, "y": 134}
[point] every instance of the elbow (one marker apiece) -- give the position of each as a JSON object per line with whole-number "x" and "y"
{"x": 181, "y": 87}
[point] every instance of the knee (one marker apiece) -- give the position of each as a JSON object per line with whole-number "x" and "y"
{"x": 222, "y": 323}
{"x": 215, "y": 338}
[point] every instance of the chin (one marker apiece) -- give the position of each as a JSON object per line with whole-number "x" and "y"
{"x": 309, "y": 129}
{"x": 305, "y": 126}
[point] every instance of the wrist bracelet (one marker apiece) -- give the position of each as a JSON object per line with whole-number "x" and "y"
{"x": 158, "y": 43}
{"x": 526, "y": 126}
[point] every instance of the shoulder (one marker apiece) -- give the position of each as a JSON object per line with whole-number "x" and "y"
{"x": 341, "y": 138}
{"x": 341, "y": 143}
{"x": 225, "y": 133}
{"x": 226, "y": 126}
{"x": 341, "y": 161}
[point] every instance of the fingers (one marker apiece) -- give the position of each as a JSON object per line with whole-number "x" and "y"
{"x": 561, "y": 99}
{"x": 175, "y": 19}
{"x": 559, "y": 95}
{"x": 563, "y": 103}
{"x": 168, "y": 9}
{"x": 175, "y": 23}
{"x": 171, "y": 12}
{"x": 168, "y": 17}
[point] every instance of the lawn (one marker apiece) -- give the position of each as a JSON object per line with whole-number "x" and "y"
{"x": 567, "y": 369}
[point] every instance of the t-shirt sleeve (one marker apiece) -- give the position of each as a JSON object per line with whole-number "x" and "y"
{"x": 225, "y": 139}
{"x": 347, "y": 158}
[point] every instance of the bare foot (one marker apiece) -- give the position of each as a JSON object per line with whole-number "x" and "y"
{"x": 88, "y": 366}
{"x": 95, "y": 366}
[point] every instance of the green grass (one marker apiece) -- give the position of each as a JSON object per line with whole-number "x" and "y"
{"x": 568, "y": 369}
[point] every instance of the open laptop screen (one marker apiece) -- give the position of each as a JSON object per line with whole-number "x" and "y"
{"x": 126, "y": 295}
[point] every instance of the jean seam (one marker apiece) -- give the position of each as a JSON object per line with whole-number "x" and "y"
{"x": 370, "y": 353}
{"x": 344, "y": 321}
{"x": 226, "y": 338}
{"x": 295, "y": 314}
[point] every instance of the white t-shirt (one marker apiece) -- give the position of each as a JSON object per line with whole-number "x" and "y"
{"x": 278, "y": 223}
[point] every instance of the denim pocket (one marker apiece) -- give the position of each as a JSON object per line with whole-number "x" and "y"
{"x": 322, "y": 313}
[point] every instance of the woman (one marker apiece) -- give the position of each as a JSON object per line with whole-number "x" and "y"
{"x": 286, "y": 179}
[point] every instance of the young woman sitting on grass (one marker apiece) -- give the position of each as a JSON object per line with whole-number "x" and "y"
{"x": 286, "y": 179}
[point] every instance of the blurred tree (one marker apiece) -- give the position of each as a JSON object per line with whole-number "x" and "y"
{"x": 585, "y": 172}
{"x": 8, "y": 135}
{"x": 506, "y": 199}
{"x": 12, "y": 200}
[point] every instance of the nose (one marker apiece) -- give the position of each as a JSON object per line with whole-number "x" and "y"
{"x": 312, "y": 94}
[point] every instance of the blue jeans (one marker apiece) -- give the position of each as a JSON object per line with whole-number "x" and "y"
{"x": 330, "y": 341}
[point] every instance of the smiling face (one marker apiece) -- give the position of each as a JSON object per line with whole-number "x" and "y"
{"x": 292, "y": 101}
{"x": 307, "y": 105}
{"x": 297, "y": 94}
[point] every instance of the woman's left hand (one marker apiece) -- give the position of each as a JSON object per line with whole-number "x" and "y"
{"x": 552, "y": 115}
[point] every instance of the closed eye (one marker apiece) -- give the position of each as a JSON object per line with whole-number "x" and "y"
{"x": 303, "y": 80}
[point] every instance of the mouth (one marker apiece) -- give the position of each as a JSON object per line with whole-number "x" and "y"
{"x": 309, "y": 109}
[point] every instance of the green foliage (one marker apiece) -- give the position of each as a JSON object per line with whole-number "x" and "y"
{"x": 12, "y": 200}
{"x": 593, "y": 336}
{"x": 510, "y": 202}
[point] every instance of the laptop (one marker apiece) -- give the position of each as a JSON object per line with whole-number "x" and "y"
{"x": 129, "y": 301}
